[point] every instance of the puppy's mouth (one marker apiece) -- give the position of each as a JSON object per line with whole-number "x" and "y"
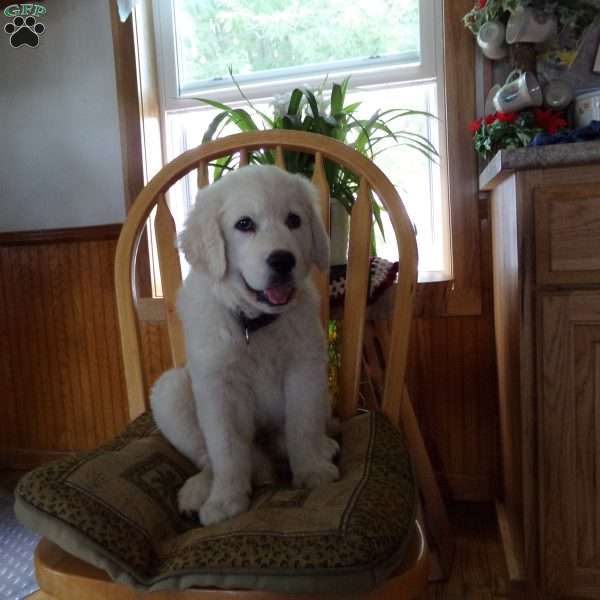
{"x": 275, "y": 295}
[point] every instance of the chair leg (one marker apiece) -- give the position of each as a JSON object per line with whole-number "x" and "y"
{"x": 436, "y": 516}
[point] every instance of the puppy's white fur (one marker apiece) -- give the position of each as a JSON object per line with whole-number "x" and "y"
{"x": 212, "y": 409}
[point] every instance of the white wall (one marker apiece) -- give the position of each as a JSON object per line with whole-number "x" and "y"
{"x": 60, "y": 154}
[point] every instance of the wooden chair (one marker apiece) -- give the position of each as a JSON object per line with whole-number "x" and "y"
{"x": 63, "y": 576}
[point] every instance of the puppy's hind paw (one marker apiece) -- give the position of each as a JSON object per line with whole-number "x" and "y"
{"x": 215, "y": 511}
{"x": 194, "y": 493}
{"x": 321, "y": 474}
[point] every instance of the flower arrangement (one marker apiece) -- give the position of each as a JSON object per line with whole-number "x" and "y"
{"x": 305, "y": 109}
{"x": 514, "y": 130}
{"x": 574, "y": 14}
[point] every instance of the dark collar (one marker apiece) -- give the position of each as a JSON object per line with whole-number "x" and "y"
{"x": 251, "y": 325}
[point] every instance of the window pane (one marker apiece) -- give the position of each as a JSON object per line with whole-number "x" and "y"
{"x": 260, "y": 37}
{"x": 416, "y": 178}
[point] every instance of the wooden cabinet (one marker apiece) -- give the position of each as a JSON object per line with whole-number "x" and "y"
{"x": 546, "y": 257}
{"x": 569, "y": 442}
{"x": 567, "y": 239}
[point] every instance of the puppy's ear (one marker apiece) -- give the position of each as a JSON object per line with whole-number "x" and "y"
{"x": 320, "y": 239}
{"x": 202, "y": 240}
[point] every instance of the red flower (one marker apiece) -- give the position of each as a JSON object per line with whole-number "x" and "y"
{"x": 475, "y": 125}
{"x": 549, "y": 121}
{"x": 506, "y": 117}
{"x": 490, "y": 119}
{"x": 482, "y": 3}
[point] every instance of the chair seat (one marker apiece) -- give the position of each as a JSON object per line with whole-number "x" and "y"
{"x": 116, "y": 508}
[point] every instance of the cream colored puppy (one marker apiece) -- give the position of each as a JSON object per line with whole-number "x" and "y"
{"x": 255, "y": 346}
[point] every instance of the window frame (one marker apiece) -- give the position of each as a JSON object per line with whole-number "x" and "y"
{"x": 429, "y": 69}
{"x": 365, "y": 72}
{"x": 460, "y": 295}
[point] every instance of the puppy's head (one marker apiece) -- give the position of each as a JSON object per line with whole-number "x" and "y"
{"x": 257, "y": 231}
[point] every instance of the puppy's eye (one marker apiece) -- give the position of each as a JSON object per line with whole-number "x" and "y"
{"x": 245, "y": 224}
{"x": 293, "y": 221}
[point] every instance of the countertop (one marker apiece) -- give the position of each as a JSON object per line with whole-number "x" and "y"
{"x": 538, "y": 157}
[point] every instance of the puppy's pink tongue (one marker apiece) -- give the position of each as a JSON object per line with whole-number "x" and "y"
{"x": 279, "y": 294}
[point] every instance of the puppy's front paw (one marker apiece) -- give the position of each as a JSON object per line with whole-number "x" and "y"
{"x": 194, "y": 493}
{"x": 330, "y": 448}
{"x": 320, "y": 474}
{"x": 219, "y": 509}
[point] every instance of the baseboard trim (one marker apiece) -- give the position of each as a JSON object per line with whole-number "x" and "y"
{"x": 23, "y": 458}
{"x": 58, "y": 236}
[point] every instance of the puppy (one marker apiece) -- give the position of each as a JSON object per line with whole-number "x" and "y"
{"x": 255, "y": 346}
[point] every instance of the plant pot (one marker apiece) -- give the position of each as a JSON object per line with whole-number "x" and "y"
{"x": 339, "y": 227}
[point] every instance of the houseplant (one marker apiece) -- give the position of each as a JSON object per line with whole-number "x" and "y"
{"x": 305, "y": 109}
{"x": 514, "y": 130}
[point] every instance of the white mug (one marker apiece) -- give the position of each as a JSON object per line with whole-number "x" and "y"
{"x": 491, "y": 40}
{"x": 520, "y": 91}
{"x": 528, "y": 25}
{"x": 587, "y": 108}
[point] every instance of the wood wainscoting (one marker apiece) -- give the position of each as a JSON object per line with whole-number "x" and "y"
{"x": 61, "y": 376}
{"x": 452, "y": 383}
{"x": 62, "y": 386}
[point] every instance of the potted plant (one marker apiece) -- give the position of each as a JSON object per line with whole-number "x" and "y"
{"x": 501, "y": 131}
{"x": 304, "y": 109}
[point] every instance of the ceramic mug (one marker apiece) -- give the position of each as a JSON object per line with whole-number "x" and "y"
{"x": 489, "y": 108}
{"x": 528, "y": 25}
{"x": 558, "y": 94}
{"x": 520, "y": 91}
{"x": 587, "y": 108}
{"x": 491, "y": 40}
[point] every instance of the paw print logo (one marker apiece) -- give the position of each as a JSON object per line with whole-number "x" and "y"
{"x": 24, "y": 31}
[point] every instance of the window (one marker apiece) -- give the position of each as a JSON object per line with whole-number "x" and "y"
{"x": 387, "y": 47}
{"x": 266, "y": 41}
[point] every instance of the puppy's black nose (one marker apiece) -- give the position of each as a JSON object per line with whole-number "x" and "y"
{"x": 281, "y": 261}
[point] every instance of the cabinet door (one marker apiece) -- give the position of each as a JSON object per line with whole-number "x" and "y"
{"x": 569, "y": 411}
{"x": 567, "y": 220}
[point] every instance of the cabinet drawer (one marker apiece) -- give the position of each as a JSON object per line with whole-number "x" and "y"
{"x": 567, "y": 220}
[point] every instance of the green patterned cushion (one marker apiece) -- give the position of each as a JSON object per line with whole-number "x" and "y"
{"x": 116, "y": 508}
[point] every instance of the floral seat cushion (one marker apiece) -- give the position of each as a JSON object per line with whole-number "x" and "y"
{"x": 116, "y": 508}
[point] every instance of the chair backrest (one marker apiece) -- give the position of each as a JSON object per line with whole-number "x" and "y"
{"x": 372, "y": 181}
